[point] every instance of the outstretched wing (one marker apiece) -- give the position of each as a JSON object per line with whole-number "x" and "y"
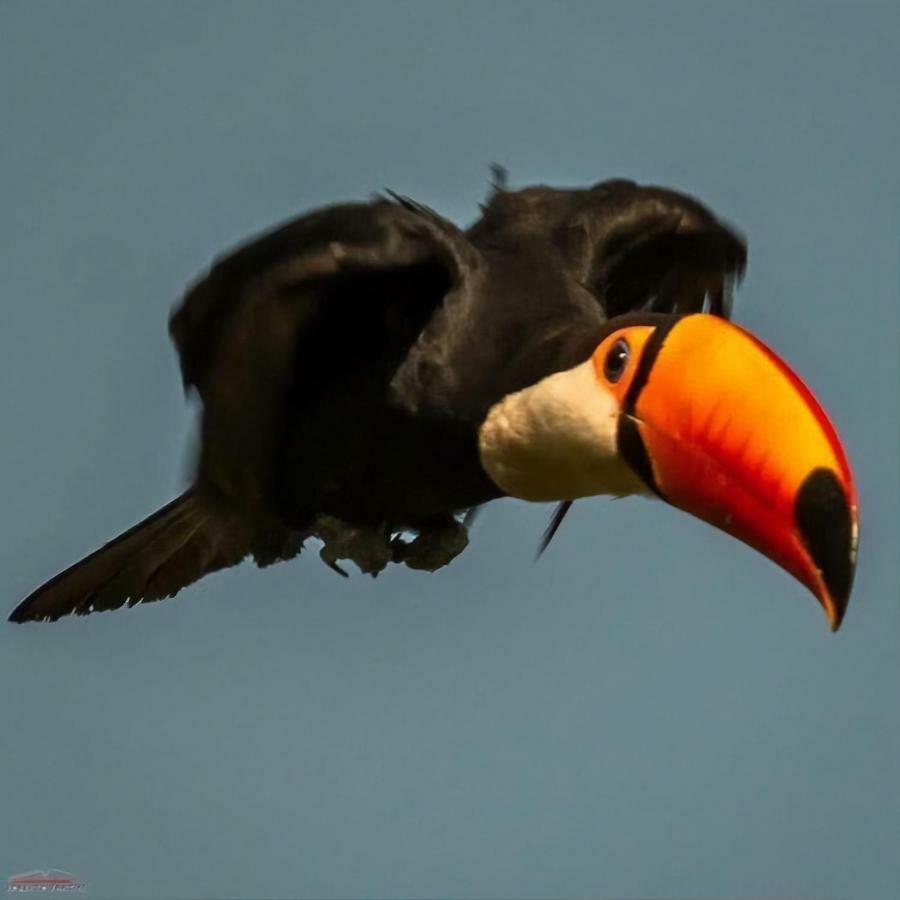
{"x": 633, "y": 247}
{"x": 299, "y": 313}
{"x": 662, "y": 251}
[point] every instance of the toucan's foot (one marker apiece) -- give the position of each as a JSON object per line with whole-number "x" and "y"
{"x": 434, "y": 546}
{"x": 437, "y": 543}
{"x": 368, "y": 547}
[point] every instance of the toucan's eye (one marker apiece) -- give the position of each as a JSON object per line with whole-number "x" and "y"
{"x": 616, "y": 360}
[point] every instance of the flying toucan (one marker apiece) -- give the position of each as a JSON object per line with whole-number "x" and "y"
{"x": 370, "y": 372}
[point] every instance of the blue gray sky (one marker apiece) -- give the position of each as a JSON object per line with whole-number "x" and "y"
{"x": 651, "y": 711}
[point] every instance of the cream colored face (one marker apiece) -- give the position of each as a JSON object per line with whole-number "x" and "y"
{"x": 556, "y": 440}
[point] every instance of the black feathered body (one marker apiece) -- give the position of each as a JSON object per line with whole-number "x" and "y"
{"x": 346, "y": 360}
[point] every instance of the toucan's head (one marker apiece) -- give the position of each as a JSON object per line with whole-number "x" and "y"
{"x": 697, "y": 411}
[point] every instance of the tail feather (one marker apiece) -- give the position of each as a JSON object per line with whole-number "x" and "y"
{"x": 168, "y": 550}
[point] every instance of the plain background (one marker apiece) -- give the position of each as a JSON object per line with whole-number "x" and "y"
{"x": 653, "y": 710}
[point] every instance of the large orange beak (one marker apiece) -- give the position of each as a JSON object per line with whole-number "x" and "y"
{"x": 719, "y": 426}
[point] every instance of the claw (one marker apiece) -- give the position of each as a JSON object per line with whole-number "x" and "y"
{"x": 368, "y": 547}
{"x": 433, "y": 547}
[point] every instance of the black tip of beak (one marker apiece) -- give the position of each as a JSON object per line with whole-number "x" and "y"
{"x": 828, "y": 529}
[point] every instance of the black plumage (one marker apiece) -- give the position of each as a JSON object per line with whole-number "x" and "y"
{"x": 346, "y": 359}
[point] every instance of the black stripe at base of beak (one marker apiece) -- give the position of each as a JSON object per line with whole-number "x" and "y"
{"x": 648, "y": 357}
{"x": 826, "y": 526}
{"x": 630, "y": 443}
{"x": 633, "y": 450}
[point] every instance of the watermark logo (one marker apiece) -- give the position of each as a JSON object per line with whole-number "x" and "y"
{"x": 51, "y": 880}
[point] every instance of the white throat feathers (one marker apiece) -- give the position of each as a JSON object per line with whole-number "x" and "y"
{"x": 556, "y": 440}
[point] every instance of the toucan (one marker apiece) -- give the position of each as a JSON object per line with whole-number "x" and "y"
{"x": 370, "y": 374}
